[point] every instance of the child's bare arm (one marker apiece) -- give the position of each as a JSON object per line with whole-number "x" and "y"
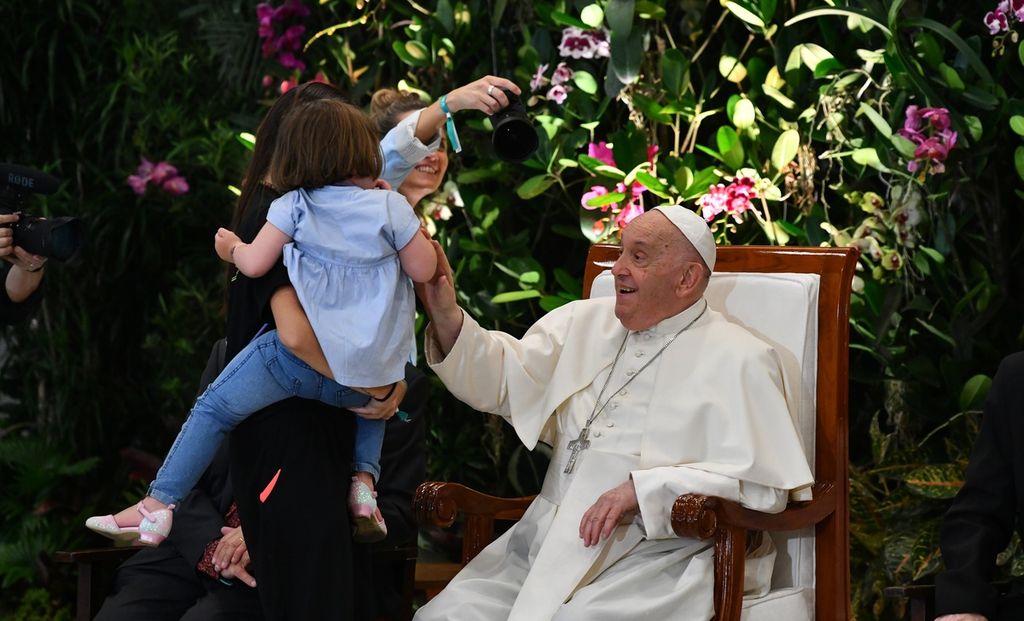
{"x": 255, "y": 259}
{"x": 418, "y": 259}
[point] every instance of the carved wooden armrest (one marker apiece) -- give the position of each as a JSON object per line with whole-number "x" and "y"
{"x": 700, "y": 517}
{"x": 437, "y": 503}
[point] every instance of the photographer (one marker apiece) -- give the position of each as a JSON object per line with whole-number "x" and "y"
{"x": 22, "y": 274}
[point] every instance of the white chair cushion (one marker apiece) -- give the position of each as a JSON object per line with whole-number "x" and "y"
{"x": 790, "y": 604}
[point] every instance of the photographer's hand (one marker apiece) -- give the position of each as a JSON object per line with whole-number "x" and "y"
{"x": 484, "y": 95}
{"x": 27, "y": 271}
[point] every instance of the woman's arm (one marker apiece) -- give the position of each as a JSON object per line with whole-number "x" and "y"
{"x": 476, "y": 95}
{"x": 255, "y": 259}
{"x": 295, "y": 331}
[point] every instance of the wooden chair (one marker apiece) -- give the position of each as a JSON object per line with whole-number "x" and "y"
{"x": 812, "y": 536}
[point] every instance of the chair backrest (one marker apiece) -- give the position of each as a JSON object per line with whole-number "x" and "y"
{"x": 797, "y": 299}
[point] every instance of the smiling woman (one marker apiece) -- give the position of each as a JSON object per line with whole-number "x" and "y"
{"x": 387, "y": 109}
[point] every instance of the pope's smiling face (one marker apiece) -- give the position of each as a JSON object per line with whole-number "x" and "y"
{"x": 655, "y": 278}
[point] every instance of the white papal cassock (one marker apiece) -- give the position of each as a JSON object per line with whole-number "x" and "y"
{"x": 708, "y": 416}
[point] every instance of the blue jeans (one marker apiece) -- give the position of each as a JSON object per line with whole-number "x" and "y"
{"x": 263, "y": 373}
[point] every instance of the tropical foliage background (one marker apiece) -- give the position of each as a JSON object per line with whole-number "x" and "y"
{"x": 893, "y": 126}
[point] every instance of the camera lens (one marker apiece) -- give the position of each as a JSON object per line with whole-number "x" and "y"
{"x": 514, "y": 137}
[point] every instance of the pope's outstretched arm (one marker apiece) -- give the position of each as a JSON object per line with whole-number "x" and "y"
{"x": 438, "y": 297}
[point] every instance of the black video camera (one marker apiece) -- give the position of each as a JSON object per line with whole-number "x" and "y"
{"x": 514, "y": 137}
{"x": 56, "y": 238}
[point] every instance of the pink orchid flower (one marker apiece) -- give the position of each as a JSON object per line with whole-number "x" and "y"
{"x": 176, "y": 185}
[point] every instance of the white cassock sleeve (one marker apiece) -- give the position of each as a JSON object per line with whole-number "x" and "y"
{"x": 657, "y": 490}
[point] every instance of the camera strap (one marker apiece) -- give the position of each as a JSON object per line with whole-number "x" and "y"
{"x": 449, "y": 124}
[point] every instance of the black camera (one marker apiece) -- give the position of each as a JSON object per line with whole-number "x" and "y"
{"x": 514, "y": 137}
{"x": 56, "y": 238}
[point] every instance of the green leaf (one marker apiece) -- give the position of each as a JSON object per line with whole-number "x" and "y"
{"x": 974, "y": 127}
{"x": 731, "y": 69}
{"x": 618, "y": 14}
{"x": 1018, "y": 161}
{"x": 444, "y": 15}
{"x": 627, "y": 54}
{"x": 551, "y": 302}
{"x": 745, "y": 14}
{"x": 535, "y": 186}
{"x": 790, "y": 228}
{"x": 649, "y": 10}
{"x": 974, "y": 392}
{"x": 590, "y": 164}
{"x": 1020, "y": 52}
{"x": 831, "y": 66}
{"x": 785, "y": 148}
{"x": 940, "y": 481}
{"x": 674, "y": 66}
{"x": 515, "y": 296}
{"x": 869, "y": 157}
{"x": 905, "y": 147}
{"x": 564, "y": 19}
{"x": 951, "y": 77}
{"x": 729, "y": 146}
{"x": 844, "y": 12}
{"x": 777, "y": 95}
{"x": 813, "y": 54}
{"x": 653, "y": 184}
{"x": 876, "y": 119}
{"x": 1017, "y": 124}
{"x": 529, "y": 278}
{"x": 942, "y": 335}
{"x": 962, "y": 46}
{"x": 606, "y": 199}
{"x": 592, "y": 15}
{"x": 585, "y": 82}
{"x": 417, "y": 50}
{"x": 933, "y": 254}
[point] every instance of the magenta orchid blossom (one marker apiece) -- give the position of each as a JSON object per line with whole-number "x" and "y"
{"x": 282, "y": 46}
{"x": 618, "y": 215}
{"x": 733, "y": 200}
{"x": 562, "y": 74}
{"x": 538, "y": 81}
{"x": 1006, "y": 14}
{"x": 930, "y": 131}
{"x": 558, "y": 93}
{"x": 579, "y": 43}
{"x": 163, "y": 175}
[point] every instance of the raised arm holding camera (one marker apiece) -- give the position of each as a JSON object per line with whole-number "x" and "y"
{"x": 26, "y": 242}
{"x": 24, "y": 270}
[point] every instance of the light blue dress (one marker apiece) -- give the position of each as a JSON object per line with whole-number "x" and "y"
{"x": 360, "y": 303}
{"x": 343, "y": 263}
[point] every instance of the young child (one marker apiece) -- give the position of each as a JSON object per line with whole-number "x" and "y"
{"x": 346, "y": 245}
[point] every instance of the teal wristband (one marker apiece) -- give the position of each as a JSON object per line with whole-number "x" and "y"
{"x": 453, "y": 136}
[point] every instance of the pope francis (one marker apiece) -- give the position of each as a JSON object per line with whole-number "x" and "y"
{"x": 642, "y": 397}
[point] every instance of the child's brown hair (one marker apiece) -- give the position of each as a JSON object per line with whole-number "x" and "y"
{"x": 322, "y": 143}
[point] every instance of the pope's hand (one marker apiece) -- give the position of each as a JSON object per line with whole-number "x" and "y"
{"x": 962, "y": 617}
{"x": 601, "y": 519}
{"x": 438, "y": 297}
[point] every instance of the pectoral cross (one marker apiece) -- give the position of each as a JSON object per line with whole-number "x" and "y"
{"x": 577, "y": 446}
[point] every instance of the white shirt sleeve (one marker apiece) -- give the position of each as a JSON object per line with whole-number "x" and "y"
{"x": 403, "y": 150}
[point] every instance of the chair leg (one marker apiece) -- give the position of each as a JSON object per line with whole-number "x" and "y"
{"x": 83, "y": 605}
{"x": 730, "y": 546}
